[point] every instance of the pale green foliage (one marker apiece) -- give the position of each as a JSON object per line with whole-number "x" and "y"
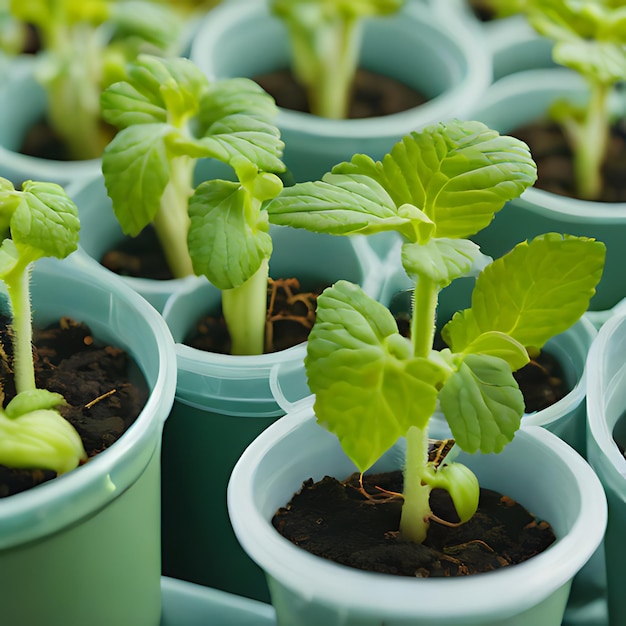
{"x": 435, "y": 188}
{"x": 590, "y": 38}
{"x": 38, "y": 221}
{"x": 85, "y": 45}
{"x": 170, "y": 116}
{"x": 325, "y": 40}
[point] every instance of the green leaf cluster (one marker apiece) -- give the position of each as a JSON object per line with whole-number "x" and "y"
{"x": 372, "y": 385}
{"x": 170, "y": 116}
{"x": 85, "y": 46}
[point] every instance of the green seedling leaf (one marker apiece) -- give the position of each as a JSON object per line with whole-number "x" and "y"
{"x": 236, "y": 122}
{"x": 589, "y": 36}
{"x": 482, "y": 404}
{"x": 534, "y": 292}
{"x": 500, "y": 345}
{"x": 136, "y": 168}
{"x": 40, "y": 439}
{"x": 441, "y": 260}
{"x": 368, "y": 387}
{"x": 345, "y": 205}
{"x": 460, "y": 482}
{"x": 32, "y": 400}
{"x": 458, "y": 173}
{"x": 227, "y": 241}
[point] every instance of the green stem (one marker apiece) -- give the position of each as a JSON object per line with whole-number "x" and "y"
{"x": 171, "y": 221}
{"x": 19, "y": 295}
{"x": 74, "y": 92}
{"x": 592, "y": 144}
{"x": 329, "y": 96}
{"x": 423, "y": 318}
{"x": 245, "y": 311}
{"x": 415, "y": 516}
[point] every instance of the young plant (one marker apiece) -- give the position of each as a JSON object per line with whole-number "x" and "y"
{"x": 171, "y": 116}
{"x": 36, "y": 222}
{"x": 372, "y": 385}
{"x": 84, "y": 47}
{"x": 590, "y": 38}
{"x": 325, "y": 38}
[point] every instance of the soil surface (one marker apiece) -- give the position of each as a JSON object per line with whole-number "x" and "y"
{"x": 139, "y": 257}
{"x": 290, "y": 317}
{"x": 102, "y": 385}
{"x": 555, "y": 172}
{"x": 374, "y": 95}
{"x": 335, "y": 520}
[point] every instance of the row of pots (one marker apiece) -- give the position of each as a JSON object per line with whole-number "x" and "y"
{"x": 213, "y": 414}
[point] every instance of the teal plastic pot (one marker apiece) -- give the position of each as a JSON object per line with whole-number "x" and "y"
{"x": 23, "y": 103}
{"x": 448, "y": 65}
{"x": 566, "y": 418}
{"x": 100, "y": 230}
{"x": 514, "y": 45}
{"x": 516, "y": 100}
{"x": 223, "y": 402}
{"x": 85, "y": 547}
{"x": 537, "y": 469}
{"x": 606, "y": 402}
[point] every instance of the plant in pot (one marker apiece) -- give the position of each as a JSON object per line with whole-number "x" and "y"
{"x": 448, "y": 69}
{"x": 172, "y": 117}
{"x": 114, "y": 345}
{"x": 374, "y": 387}
{"x": 581, "y": 158}
{"x": 52, "y": 99}
{"x": 169, "y": 118}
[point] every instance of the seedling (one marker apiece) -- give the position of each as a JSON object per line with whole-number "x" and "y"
{"x": 325, "y": 38}
{"x": 372, "y": 385}
{"x": 590, "y": 38}
{"x": 84, "y": 47}
{"x": 170, "y": 116}
{"x": 37, "y": 222}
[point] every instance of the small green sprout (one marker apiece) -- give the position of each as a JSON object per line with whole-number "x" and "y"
{"x": 590, "y": 38}
{"x": 36, "y": 222}
{"x": 372, "y": 385}
{"x": 171, "y": 116}
{"x": 325, "y": 38}
{"x": 84, "y": 47}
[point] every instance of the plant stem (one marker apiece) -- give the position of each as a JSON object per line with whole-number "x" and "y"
{"x": 19, "y": 295}
{"x": 74, "y": 92}
{"x": 590, "y": 140}
{"x": 329, "y": 96}
{"x": 171, "y": 221}
{"x": 423, "y": 317}
{"x": 244, "y": 309}
{"x": 416, "y": 511}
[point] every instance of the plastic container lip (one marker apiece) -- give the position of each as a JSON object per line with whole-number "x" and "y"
{"x": 542, "y": 575}
{"x": 66, "y": 499}
{"x": 477, "y": 75}
{"x": 602, "y": 383}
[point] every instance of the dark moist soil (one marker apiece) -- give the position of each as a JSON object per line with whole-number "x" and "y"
{"x": 138, "y": 257}
{"x": 555, "y": 172}
{"x": 102, "y": 385}
{"x": 334, "y": 520}
{"x": 290, "y": 317}
{"x": 374, "y": 95}
{"x": 290, "y": 309}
